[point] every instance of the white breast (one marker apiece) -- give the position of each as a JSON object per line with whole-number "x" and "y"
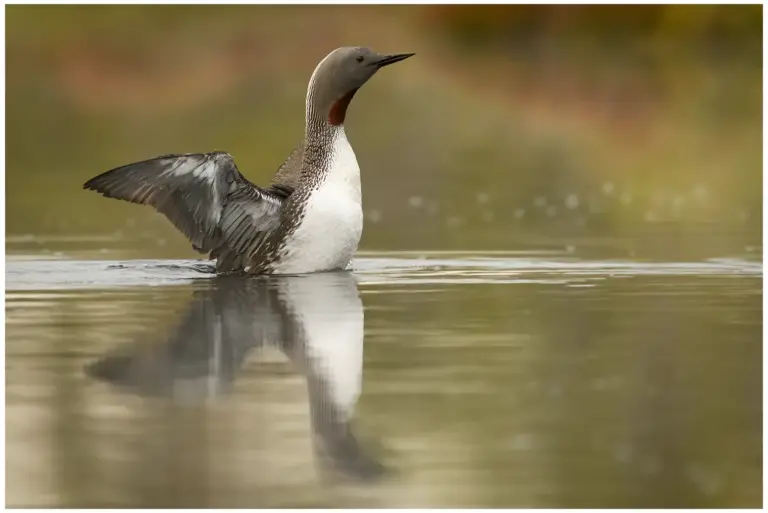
{"x": 330, "y": 230}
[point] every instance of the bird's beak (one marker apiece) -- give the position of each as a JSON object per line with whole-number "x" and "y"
{"x": 391, "y": 59}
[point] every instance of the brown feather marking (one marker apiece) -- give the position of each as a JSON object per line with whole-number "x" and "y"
{"x": 339, "y": 108}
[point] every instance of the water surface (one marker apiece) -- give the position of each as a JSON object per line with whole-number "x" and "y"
{"x": 508, "y": 379}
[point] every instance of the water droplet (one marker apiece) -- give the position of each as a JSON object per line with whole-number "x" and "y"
{"x": 540, "y": 201}
{"x": 519, "y": 213}
{"x": 572, "y": 201}
{"x": 623, "y": 453}
{"x": 570, "y": 248}
{"x": 454, "y": 221}
{"x": 625, "y": 198}
{"x": 551, "y": 211}
{"x": 707, "y": 481}
{"x": 701, "y": 193}
{"x": 161, "y": 242}
{"x": 416, "y": 201}
{"x": 488, "y": 216}
{"x": 432, "y": 208}
{"x": 520, "y": 442}
{"x": 608, "y": 188}
{"x": 374, "y": 216}
{"x": 482, "y": 197}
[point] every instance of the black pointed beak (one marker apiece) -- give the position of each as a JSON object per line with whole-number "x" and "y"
{"x": 391, "y": 59}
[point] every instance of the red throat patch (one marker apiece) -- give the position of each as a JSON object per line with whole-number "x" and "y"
{"x": 339, "y": 109}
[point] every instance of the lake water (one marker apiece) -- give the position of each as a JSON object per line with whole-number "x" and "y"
{"x": 518, "y": 379}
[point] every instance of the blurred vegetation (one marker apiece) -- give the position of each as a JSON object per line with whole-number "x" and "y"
{"x": 703, "y": 30}
{"x": 514, "y": 123}
{"x": 514, "y": 126}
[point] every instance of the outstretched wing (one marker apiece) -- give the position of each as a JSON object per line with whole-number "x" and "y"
{"x": 203, "y": 195}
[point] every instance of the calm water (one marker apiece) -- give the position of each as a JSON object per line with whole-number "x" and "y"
{"x": 543, "y": 379}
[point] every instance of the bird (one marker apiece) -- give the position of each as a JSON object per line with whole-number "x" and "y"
{"x": 315, "y": 320}
{"x": 309, "y": 219}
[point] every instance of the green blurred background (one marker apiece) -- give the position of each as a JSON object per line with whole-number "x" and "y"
{"x": 632, "y": 130}
{"x": 514, "y": 126}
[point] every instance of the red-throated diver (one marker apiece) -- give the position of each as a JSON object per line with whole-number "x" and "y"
{"x": 310, "y": 219}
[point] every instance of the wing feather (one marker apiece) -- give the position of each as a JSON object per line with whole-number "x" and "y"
{"x": 205, "y": 197}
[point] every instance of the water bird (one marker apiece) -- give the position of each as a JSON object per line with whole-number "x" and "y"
{"x": 309, "y": 219}
{"x": 316, "y": 321}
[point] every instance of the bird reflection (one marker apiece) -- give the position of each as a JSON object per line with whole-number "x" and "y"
{"x": 315, "y": 320}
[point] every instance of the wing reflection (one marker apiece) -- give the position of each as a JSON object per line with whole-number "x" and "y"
{"x": 315, "y": 320}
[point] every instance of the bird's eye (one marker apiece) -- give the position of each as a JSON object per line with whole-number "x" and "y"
{"x": 359, "y": 58}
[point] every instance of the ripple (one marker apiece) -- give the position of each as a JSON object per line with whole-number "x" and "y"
{"x": 414, "y": 268}
{"x": 499, "y": 269}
